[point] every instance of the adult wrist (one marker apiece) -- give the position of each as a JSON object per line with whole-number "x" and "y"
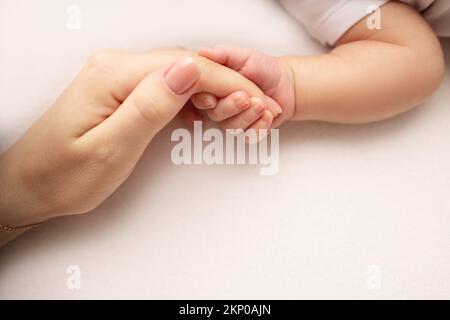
{"x": 18, "y": 209}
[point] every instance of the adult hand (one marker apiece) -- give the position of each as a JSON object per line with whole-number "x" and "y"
{"x": 89, "y": 141}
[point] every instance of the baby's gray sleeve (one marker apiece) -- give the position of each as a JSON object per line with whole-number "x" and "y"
{"x": 328, "y": 20}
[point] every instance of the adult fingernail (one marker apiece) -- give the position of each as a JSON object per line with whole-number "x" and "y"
{"x": 182, "y": 75}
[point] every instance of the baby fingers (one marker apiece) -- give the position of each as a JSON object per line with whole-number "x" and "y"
{"x": 230, "y": 106}
{"x": 204, "y": 101}
{"x": 246, "y": 118}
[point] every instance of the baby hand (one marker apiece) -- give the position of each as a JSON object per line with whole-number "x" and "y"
{"x": 238, "y": 110}
{"x": 269, "y": 73}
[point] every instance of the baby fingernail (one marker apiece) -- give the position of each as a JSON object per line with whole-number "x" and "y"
{"x": 182, "y": 75}
{"x": 274, "y": 107}
{"x": 241, "y": 101}
{"x": 266, "y": 117}
{"x": 278, "y": 108}
{"x": 209, "y": 102}
{"x": 257, "y": 105}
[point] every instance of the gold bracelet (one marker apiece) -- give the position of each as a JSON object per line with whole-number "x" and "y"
{"x": 13, "y": 229}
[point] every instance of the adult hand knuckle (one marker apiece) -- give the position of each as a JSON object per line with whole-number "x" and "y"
{"x": 100, "y": 60}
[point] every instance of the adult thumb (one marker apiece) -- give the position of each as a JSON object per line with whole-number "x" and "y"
{"x": 152, "y": 104}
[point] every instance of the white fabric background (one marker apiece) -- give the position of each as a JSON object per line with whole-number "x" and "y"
{"x": 346, "y": 197}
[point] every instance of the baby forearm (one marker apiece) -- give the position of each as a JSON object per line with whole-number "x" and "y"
{"x": 372, "y": 74}
{"x": 361, "y": 82}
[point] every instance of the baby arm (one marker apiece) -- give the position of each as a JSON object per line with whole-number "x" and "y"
{"x": 370, "y": 75}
